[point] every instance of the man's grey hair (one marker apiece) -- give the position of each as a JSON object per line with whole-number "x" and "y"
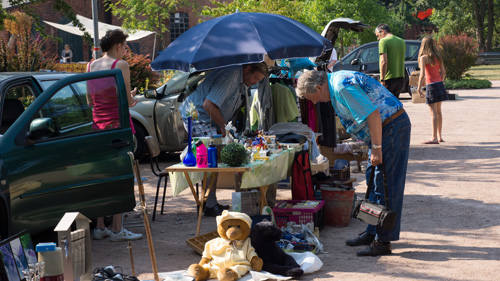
{"x": 383, "y": 27}
{"x": 308, "y": 80}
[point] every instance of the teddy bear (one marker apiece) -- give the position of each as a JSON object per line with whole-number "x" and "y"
{"x": 264, "y": 236}
{"x": 231, "y": 255}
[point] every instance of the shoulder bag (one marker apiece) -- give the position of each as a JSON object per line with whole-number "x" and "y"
{"x": 373, "y": 213}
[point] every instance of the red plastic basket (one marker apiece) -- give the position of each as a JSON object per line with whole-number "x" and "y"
{"x": 299, "y": 215}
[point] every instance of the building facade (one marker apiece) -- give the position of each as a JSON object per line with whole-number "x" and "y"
{"x": 181, "y": 20}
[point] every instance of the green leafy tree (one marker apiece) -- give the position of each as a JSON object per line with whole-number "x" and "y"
{"x": 29, "y": 7}
{"x": 317, "y": 13}
{"x": 152, "y": 15}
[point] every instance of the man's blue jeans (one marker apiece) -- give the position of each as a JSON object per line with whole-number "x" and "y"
{"x": 395, "y": 151}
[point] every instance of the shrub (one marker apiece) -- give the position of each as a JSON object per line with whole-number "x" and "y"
{"x": 467, "y": 84}
{"x": 28, "y": 54}
{"x": 141, "y": 74}
{"x": 459, "y": 54}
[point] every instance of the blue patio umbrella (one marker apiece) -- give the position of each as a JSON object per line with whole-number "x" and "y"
{"x": 240, "y": 38}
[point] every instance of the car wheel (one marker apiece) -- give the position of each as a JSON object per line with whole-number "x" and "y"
{"x": 139, "y": 144}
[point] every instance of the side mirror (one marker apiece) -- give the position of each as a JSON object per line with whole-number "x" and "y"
{"x": 151, "y": 94}
{"x": 41, "y": 128}
{"x": 355, "y": 62}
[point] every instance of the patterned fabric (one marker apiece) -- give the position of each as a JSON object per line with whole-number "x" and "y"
{"x": 223, "y": 87}
{"x": 199, "y": 128}
{"x": 355, "y": 96}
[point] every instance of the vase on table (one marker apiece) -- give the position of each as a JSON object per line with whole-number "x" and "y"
{"x": 189, "y": 159}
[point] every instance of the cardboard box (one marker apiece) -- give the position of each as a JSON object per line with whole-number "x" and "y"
{"x": 323, "y": 167}
{"x": 247, "y": 202}
{"x": 414, "y": 78}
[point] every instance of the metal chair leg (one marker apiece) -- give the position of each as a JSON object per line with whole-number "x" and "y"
{"x": 156, "y": 198}
{"x": 164, "y": 193}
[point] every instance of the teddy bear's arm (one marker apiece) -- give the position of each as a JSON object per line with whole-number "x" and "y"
{"x": 204, "y": 260}
{"x": 257, "y": 263}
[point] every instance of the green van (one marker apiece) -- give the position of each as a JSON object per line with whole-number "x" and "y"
{"x": 52, "y": 159}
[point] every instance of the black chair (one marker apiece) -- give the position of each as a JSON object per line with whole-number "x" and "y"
{"x": 154, "y": 151}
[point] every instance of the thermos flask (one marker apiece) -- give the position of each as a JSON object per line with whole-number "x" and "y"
{"x": 212, "y": 155}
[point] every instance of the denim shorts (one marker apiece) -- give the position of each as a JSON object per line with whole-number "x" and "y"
{"x": 435, "y": 93}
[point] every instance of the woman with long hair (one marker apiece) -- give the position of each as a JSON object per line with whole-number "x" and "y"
{"x": 103, "y": 99}
{"x": 432, "y": 72}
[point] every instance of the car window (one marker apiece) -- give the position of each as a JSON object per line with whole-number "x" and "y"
{"x": 411, "y": 51}
{"x": 17, "y": 99}
{"x": 348, "y": 58}
{"x": 71, "y": 109}
{"x": 175, "y": 84}
{"x": 369, "y": 55}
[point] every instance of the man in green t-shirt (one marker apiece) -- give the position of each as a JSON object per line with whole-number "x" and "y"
{"x": 392, "y": 51}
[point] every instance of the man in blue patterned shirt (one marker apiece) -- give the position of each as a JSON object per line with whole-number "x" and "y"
{"x": 370, "y": 112}
{"x": 216, "y": 99}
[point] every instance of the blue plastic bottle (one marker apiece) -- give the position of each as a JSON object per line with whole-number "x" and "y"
{"x": 212, "y": 155}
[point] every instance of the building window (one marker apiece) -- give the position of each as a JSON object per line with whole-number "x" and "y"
{"x": 179, "y": 23}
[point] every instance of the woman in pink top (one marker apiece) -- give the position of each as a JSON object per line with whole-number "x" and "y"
{"x": 102, "y": 96}
{"x": 433, "y": 73}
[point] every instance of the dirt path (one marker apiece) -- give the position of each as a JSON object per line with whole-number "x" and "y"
{"x": 450, "y": 227}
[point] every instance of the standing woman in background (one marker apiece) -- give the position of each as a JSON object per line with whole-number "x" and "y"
{"x": 433, "y": 73}
{"x": 102, "y": 97}
{"x": 67, "y": 54}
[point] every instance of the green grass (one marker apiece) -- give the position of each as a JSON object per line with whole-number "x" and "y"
{"x": 488, "y": 72}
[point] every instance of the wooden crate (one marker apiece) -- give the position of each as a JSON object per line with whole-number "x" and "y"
{"x": 198, "y": 243}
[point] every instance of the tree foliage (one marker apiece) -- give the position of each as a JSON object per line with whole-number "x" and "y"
{"x": 316, "y": 14}
{"x": 152, "y": 15}
{"x": 30, "y": 9}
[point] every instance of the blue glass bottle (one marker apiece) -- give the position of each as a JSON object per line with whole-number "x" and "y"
{"x": 189, "y": 160}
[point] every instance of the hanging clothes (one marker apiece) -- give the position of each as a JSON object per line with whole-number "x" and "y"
{"x": 327, "y": 125}
{"x": 284, "y": 103}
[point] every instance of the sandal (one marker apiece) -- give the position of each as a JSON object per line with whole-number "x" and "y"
{"x": 430, "y": 142}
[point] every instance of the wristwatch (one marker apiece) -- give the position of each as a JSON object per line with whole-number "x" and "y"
{"x": 376, "y": 146}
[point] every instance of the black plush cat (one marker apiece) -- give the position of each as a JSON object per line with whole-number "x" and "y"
{"x": 264, "y": 236}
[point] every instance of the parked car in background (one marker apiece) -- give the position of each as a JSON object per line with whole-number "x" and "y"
{"x": 157, "y": 115}
{"x": 366, "y": 59}
{"x": 52, "y": 160}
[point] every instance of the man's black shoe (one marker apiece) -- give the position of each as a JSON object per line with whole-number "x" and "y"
{"x": 223, "y": 207}
{"x": 375, "y": 249}
{"x": 213, "y": 212}
{"x": 363, "y": 239}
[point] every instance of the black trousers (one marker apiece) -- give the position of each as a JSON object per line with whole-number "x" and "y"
{"x": 395, "y": 85}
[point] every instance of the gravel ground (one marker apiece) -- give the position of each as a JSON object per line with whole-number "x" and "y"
{"x": 450, "y": 226}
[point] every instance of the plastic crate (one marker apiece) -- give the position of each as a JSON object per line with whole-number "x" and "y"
{"x": 299, "y": 215}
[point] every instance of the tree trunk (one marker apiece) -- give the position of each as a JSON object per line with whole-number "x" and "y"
{"x": 491, "y": 25}
{"x": 478, "y": 6}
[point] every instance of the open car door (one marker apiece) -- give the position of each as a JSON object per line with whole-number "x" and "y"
{"x": 331, "y": 32}
{"x": 56, "y": 160}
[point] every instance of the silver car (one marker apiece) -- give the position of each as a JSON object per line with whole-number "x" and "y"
{"x": 157, "y": 115}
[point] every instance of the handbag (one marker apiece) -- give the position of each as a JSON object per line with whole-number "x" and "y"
{"x": 373, "y": 213}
